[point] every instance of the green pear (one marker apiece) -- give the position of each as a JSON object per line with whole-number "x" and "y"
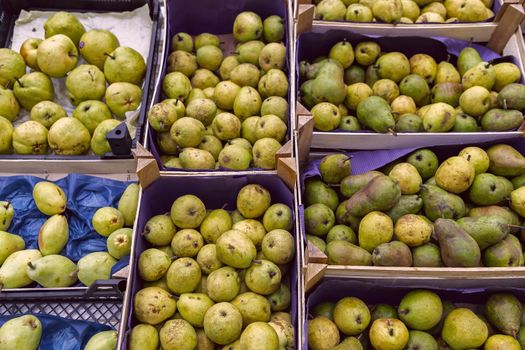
{"x": 187, "y": 243}
{"x": 53, "y": 235}
{"x": 49, "y": 198}
{"x": 223, "y": 284}
{"x": 122, "y": 97}
{"x": 119, "y": 243}
{"x": 159, "y": 230}
{"x": 499, "y": 341}
{"x": 250, "y": 51}
{"x": 96, "y": 44}
{"x": 482, "y": 74}
{"x": 468, "y": 57}
{"x": 91, "y": 114}
{"x": 99, "y": 143}
{"x": 253, "y": 307}
{"x": 57, "y": 55}
{"x": 204, "y": 39}
{"x": 182, "y": 41}
{"x": 393, "y": 65}
{"x": 259, "y": 335}
{"x": 264, "y": 151}
{"x": 472, "y": 11}
{"x": 421, "y": 340}
{"x": 95, "y": 266}
{"x": 209, "y": 57}
{"x": 124, "y": 64}
{"x": 420, "y": 309}
{"x": 64, "y": 23}
{"x": 263, "y": 277}
{"x": 273, "y": 29}
{"x": 278, "y": 216}
{"x": 161, "y": 116}
{"x": 351, "y": 315}
{"x": 388, "y": 333}
{"x": 225, "y": 93}
{"x": 247, "y": 103}
{"x": 235, "y": 249}
{"x": 330, "y": 10}
{"x": 226, "y": 126}
{"x": 68, "y": 136}
{"x": 207, "y": 258}
{"x": 32, "y": 88}
{"x": 102, "y": 340}
{"x": 194, "y": 158}
{"x": 153, "y": 305}
{"x": 193, "y": 306}
{"x": 53, "y": 271}
{"x": 107, "y": 220}
{"x": 223, "y": 323}
{"x": 13, "y": 272}
{"x": 209, "y": 143}
{"x": 28, "y": 50}
{"x": 10, "y": 243}
{"x": 227, "y": 65}
{"x": 128, "y": 203}
{"x": 506, "y": 73}
{"x": 247, "y": 26}
{"x": 504, "y": 311}
{"x": 143, "y": 337}
{"x": 322, "y": 333}
{"x": 85, "y": 82}
{"x": 183, "y": 275}
{"x": 22, "y": 332}
{"x": 215, "y": 224}
{"x": 47, "y": 113}
{"x": 188, "y": 211}
{"x": 272, "y": 56}
{"x": 187, "y": 132}
{"x": 446, "y": 73}
{"x": 176, "y": 85}
{"x": 388, "y": 11}
{"x": 9, "y": 107}
{"x": 462, "y": 329}
{"x": 278, "y": 246}
{"x": 245, "y": 74}
{"x": 153, "y": 264}
{"x": 253, "y": 200}
{"x": 359, "y": 13}
{"x": 13, "y": 67}
{"x": 235, "y": 158}
{"x": 182, "y": 61}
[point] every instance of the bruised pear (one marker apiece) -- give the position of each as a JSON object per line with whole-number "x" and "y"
{"x": 153, "y": 305}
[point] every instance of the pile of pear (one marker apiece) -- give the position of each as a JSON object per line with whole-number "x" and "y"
{"x": 21, "y": 266}
{"x": 100, "y": 91}
{"x": 25, "y": 332}
{"x": 404, "y": 11}
{"x": 463, "y": 212}
{"x": 421, "y": 320}
{"x": 363, "y": 88}
{"x": 214, "y": 279}
{"x": 225, "y": 109}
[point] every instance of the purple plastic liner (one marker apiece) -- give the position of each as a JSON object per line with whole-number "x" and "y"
{"x": 392, "y": 291}
{"x": 215, "y": 192}
{"x": 190, "y": 17}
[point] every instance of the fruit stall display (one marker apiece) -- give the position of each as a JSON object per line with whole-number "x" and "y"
{"x": 223, "y": 101}
{"x": 374, "y": 93}
{"x": 73, "y": 80}
{"x": 75, "y": 231}
{"x": 214, "y": 263}
{"x": 361, "y": 314}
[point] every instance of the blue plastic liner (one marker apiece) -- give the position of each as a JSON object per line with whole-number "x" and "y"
{"x": 189, "y": 17}
{"x": 85, "y": 195}
{"x": 216, "y": 192}
{"x": 63, "y": 334}
{"x": 391, "y": 291}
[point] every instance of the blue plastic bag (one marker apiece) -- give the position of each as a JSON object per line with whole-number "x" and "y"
{"x": 63, "y": 334}
{"x": 85, "y": 195}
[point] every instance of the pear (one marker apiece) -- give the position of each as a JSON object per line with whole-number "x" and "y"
{"x": 389, "y": 11}
{"x": 10, "y": 243}
{"x": 351, "y": 315}
{"x": 178, "y": 334}
{"x": 32, "y": 88}
{"x": 193, "y": 306}
{"x": 285, "y": 332}
{"x": 49, "y": 198}
{"x": 47, "y": 113}
{"x": 119, "y": 243}
{"x": 273, "y": 29}
{"x": 425, "y": 161}
{"x": 128, "y": 203}
{"x": 96, "y": 44}
{"x": 91, "y": 114}
{"x": 182, "y": 61}
{"x": 247, "y": 26}
{"x": 161, "y": 116}
{"x": 253, "y": 200}
{"x": 472, "y": 11}
{"x": 22, "y": 332}
{"x": 462, "y": 329}
{"x": 420, "y": 309}
{"x": 187, "y": 243}
{"x": 223, "y": 284}
{"x": 446, "y": 73}
{"x": 517, "y": 201}
{"x": 272, "y": 56}
{"x": 468, "y": 57}
{"x": 235, "y": 249}
{"x": 506, "y": 73}
{"x": 209, "y": 143}
{"x": 250, "y": 51}
{"x": 505, "y": 160}
{"x": 417, "y": 88}
{"x": 183, "y": 276}
{"x": 455, "y": 175}
{"x": 204, "y": 39}
{"x": 13, "y": 67}
{"x": 223, "y": 323}
{"x": 259, "y": 336}
{"x": 215, "y": 224}
{"x": 85, "y": 82}
{"x": 403, "y": 105}
{"x": 504, "y": 311}
{"x": 427, "y": 255}
{"x": 53, "y": 271}
{"x": 323, "y": 334}
{"x": 53, "y": 235}
{"x": 123, "y": 97}
{"x": 64, "y": 23}
{"x": 264, "y": 151}
{"x": 280, "y": 300}
{"x": 253, "y": 308}
{"x": 9, "y": 107}
{"x": 483, "y": 74}
{"x": 388, "y": 333}
{"x": 153, "y": 264}
{"x": 57, "y": 55}
{"x": 330, "y": 10}
{"x": 263, "y": 277}
{"x": 182, "y": 41}
{"x": 68, "y": 136}
{"x": 125, "y": 64}
{"x": 374, "y": 229}
{"x": 107, "y": 220}
{"x": 386, "y": 89}
{"x": 176, "y": 85}
{"x": 499, "y": 341}
{"x": 424, "y": 66}
{"x": 413, "y": 230}
{"x": 95, "y": 266}
{"x": 153, "y": 305}
{"x": 159, "y": 230}
{"x": 253, "y": 229}
{"x": 102, "y": 340}
{"x": 193, "y": 158}
{"x": 478, "y": 157}
{"x": 13, "y": 272}
{"x": 278, "y": 246}
{"x": 99, "y": 143}
{"x": 366, "y": 52}
{"x": 188, "y": 211}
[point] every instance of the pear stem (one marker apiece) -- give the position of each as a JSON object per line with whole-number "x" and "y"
{"x": 19, "y": 82}
{"x": 505, "y": 103}
{"x": 448, "y": 58}
{"x": 109, "y": 55}
{"x": 257, "y": 262}
{"x": 30, "y": 265}
{"x": 392, "y": 131}
{"x": 516, "y": 226}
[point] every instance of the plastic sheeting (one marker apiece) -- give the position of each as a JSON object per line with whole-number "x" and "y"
{"x": 85, "y": 195}
{"x": 63, "y": 334}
